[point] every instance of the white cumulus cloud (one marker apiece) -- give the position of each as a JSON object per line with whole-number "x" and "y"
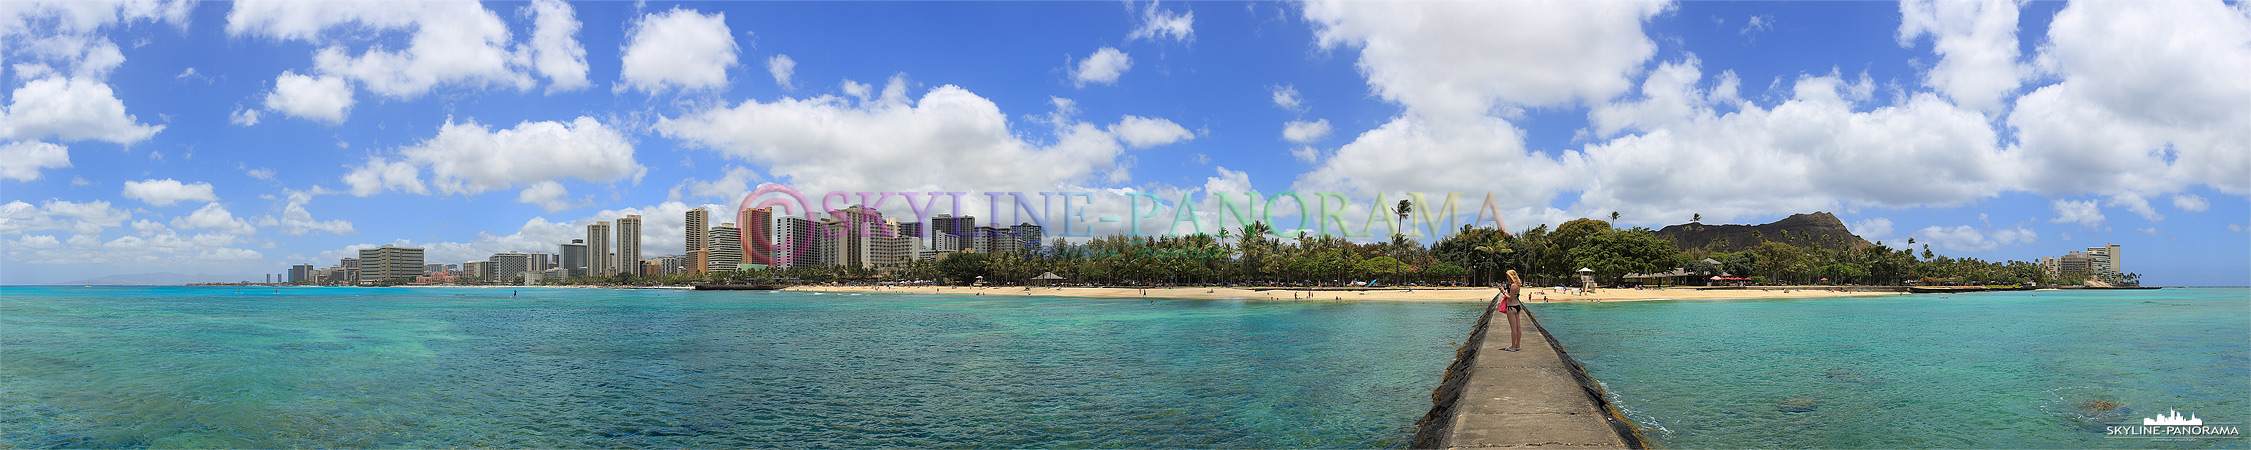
{"x": 729, "y": 187}
{"x": 447, "y": 43}
{"x": 322, "y": 98}
{"x": 1102, "y": 67}
{"x": 2151, "y": 99}
{"x": 549, "y": 195}
{"x": 243, "y": 117}
{"x": 468, "y": 158}
{"x": 1160, "y": 23}
{"x": 71, "y": 109}
{"x": 1964, "y": 238}
{"x": 782, "y": 68}
{"x": 84, "y": 218}
{"x": 554, "y": 44}
{"x": 2190, "y": 202}
{"x": 296, "y": 220}
{"x": 678, "y": 48}
{"x": 2080, "y": 212}
{"x": 1461, "y": 59}
{"x": 1143, "y": 132}
{"x": 167, "y": 191}
{"x": 1873, "y": 229}
{"x": 1286, "y": 96}
{"x": 1977, "y": 43}
{"x": 22, "y": 161}
{"x": 214, "y": 217}
{"x": 948, "y": 138}
{"x": 1456, "y": 70}
{"x": 2135, "y": 203}
{"x": 379, "y": 174}
{"x": 1302, "y": 132}
{"x": 1815, "y": 150}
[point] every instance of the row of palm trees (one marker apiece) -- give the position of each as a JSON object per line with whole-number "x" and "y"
{"x": 1254, "y": 254}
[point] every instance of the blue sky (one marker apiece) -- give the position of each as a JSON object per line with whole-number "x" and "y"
{"x": 244, "y": 137}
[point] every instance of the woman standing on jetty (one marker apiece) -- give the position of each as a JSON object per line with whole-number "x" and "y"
{"x": 1511, "y": 302}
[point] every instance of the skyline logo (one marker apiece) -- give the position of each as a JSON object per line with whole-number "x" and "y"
{"x": 2173, "y": 418}
{"x": 2172, "y": 426}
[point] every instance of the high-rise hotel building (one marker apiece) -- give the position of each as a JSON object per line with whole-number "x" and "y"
{"x": 390, "y": 264}
{"x": 301, "y": 273}
{"x": 2103, "y": 261}
{"x": 574, "y": 257}
{"x": 507, "y": 268}
{"x": 726, "y": 248}
{"x": 598, "y": 249}
{"x": 891, "y": 254}
{"x": 952, "y": 234}
{"x": 758, "y": 230}
{"x": 699, "y": 241}
{"x": 797, "y": 242}
{"x": 629, "y": 244}
{"x": 1027, "y": 237}
{"x": 850, "y": 241}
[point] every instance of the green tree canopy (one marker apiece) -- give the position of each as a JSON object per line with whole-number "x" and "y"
{"x": 963, "y": 267}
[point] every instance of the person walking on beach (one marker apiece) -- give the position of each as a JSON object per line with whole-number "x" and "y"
{"x": 1511, "y": 303}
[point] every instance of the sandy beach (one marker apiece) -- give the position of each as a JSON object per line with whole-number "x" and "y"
{"x": 1542, "y": 295}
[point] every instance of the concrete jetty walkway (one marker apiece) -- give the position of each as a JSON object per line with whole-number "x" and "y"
{"x": 1537, "y": 397}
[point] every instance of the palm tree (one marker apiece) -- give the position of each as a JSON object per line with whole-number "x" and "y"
{"x": 1696, "y": 218}
{"x": 1403, "y": 208}
{"x": 1613, "y": 218}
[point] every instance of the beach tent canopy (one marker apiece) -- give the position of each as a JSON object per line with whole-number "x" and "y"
{"x": 1048, "y": 276}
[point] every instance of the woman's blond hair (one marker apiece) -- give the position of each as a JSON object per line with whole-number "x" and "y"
{"x": 1512, "y": 276}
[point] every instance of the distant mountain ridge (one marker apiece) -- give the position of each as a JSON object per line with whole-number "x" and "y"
{"x": 1816, "y": 229}
{"x": 165, "y": 279}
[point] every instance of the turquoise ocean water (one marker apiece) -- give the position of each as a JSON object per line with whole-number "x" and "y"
{"x": 345, "y": 367}
{"x": 2041, "y": 369}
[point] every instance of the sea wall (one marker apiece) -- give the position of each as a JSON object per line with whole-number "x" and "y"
{"x": 1434, "y": 426}
{"x": 1536, "y": 397}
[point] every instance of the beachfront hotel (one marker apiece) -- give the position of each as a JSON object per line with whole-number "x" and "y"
{"x": 598, "y": 249}
{"x": 952, "y": 234}
{"x": 726, "y": 248}
{"x": 504, "y": 267}
{"x": 629, "y": 244}
{"x": 389, "y": 263}
{"x": 573, "y": 256}
{"x": 758, "y": 230}
{"x": 698, "y": 246}
{"x": 2099, "y": 263}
